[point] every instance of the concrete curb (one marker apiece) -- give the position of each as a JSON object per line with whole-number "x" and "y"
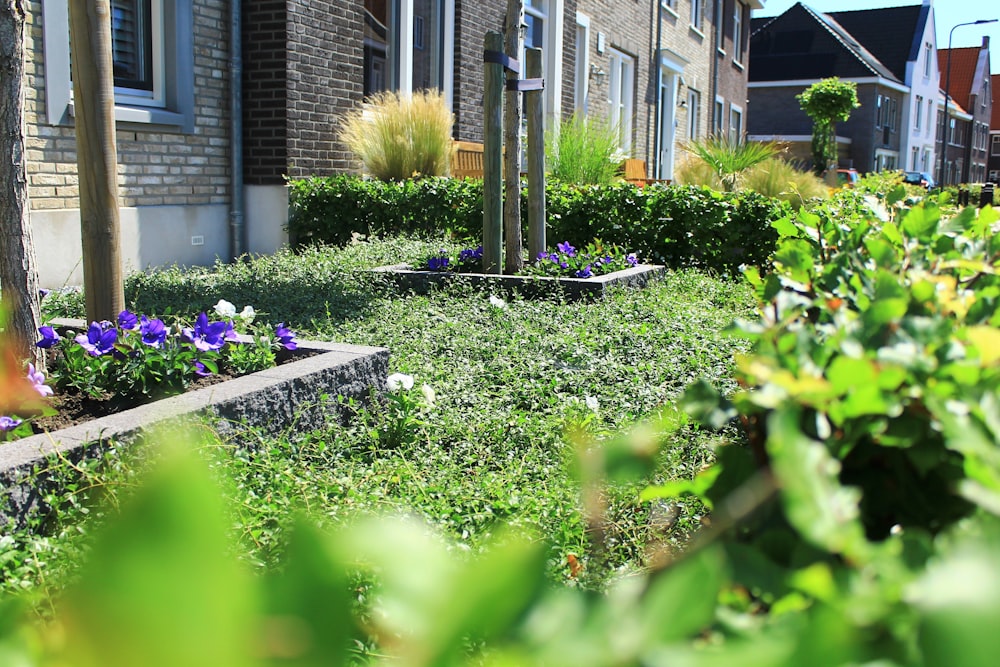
{"x": 420, "y": 282}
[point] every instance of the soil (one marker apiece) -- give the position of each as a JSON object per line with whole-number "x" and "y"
{"x": 74, "y": 408}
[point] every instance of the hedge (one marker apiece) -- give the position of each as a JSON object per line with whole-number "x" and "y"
{"x": 675, "y": 225}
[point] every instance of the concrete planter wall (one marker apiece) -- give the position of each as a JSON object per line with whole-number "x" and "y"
{"x": 408, "y": 279}
{"x": 270, "y": 401}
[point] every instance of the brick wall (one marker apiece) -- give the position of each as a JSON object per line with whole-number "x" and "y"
{"x": 265, "y": 79}
{"x": 156, "y": 165}
{"x": 472, "y": 20}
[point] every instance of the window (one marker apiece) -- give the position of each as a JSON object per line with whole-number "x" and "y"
{"x": 621, "y": 96}
{"x": 152, "y": 57}
{"x": 694, "y": 113}
{"x": 914, "y": 159}
{"x": 718, "y": 117}
{"x": 953, "y": 131}
{"x": 930, "y": 113}
{"x": 407, "y": 44}
{"x": 738, "y": 32}
{"x": 892, "y": 113}
{"x": 918, "y": 109}
{"x": 697, "y": 14}
{"x": 581, "y": 84}
{"x": 995, "y": 148}
{"x": 544, "y": 20}
{"x": 928, "y": 54}
{"x": 670, "y": 5}
{"x": 735, "y": 123}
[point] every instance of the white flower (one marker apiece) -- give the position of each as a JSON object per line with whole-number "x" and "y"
{"x": 592, "y": 403}
{"x": 428, "y": 392}
{"x": 225, "y": 309}
{"x": 247, "y": 314}
{"x": 397, "y": 380}
{"x": 497, "y": 302}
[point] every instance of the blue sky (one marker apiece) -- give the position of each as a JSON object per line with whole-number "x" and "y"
{"x": 948, "y": 14}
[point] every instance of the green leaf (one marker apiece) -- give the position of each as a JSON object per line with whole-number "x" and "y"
{"x": 162, "y": 586}
{"x": 679, "y": 488}
{"x": 824, "y": 512}
{"x": 845, "y": 373}
{"x": 786, "y": 228}
{"x": 921, "y": 223}
{"x": 705, "y": 404}
{"x": 681, "y": 601}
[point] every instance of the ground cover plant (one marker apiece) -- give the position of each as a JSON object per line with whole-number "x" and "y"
{"x": 484, "y": 441}
{"x": 873, "y": 339}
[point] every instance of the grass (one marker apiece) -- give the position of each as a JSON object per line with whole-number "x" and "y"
{"x": 585, "y": 151}
{"x": 509, "y": 383}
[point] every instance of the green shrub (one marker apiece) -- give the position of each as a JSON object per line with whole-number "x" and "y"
{"x": 584, "y": 152}
{"x": 780, "y": 179}
{"x": 398, "y": 137}
{"x": 677, "y": 226}
{"x": 730, "y": 160}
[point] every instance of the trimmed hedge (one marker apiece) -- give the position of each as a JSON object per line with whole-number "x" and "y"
{"x": 676, "y": 225}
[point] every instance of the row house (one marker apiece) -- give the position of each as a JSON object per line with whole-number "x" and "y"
{"x": 219, "y": 102}
{"x": 889, "y": 53}
{"x": 964, "y": 137}
{"x": 993, "y": 164}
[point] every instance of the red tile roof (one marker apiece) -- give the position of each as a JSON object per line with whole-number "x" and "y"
{"x": 963, "y": 69}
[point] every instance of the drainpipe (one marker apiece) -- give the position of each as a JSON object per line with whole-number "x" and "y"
{"x": 657, "y": 73}
{"x": 237, "y": 227}
{"x": 714, "y": 50}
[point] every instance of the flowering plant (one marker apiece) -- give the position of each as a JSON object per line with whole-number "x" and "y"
{"x": 469, "y": 259}
{"x": 595, "y": 259}
{"x": 139, "y": 357}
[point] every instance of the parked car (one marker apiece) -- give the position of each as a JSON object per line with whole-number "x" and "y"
{"x": 847, "y": 178}
{"x": 921, "y": 178}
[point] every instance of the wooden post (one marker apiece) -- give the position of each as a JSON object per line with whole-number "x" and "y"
{"x": 96, "y": 157}
{"x": 536, "y": 156}
{"x": 492, "y": 161}
{"x": 18, "y": 275}
{"x": 512, "y": 145}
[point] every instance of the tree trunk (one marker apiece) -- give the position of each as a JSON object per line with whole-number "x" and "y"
{"x": 18, "y": 275}
{"x": 512, "y": 145}
{"x": 96, "y": 156}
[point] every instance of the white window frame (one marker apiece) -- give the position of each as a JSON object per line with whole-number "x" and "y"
{"x": 407, "y": 44}
{"x": 719, "y": 111}
{"x": 738, "y": 32}
{"x": 170, "y": 104}
{"x": 670, "y": 6}
{"x": 621, "y": 96}
{"x": 914, "y": 158}
{"x": 694, "y": 113}
{"x": 698, "y": 15}
{"x": 552, "y": 48}
{"x": 928, "y": 54}
{"x": 918, "y": 110}
{"x": 736, "y": 123}
{"x": 581, "y": 87}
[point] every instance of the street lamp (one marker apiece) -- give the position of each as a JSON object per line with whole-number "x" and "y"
{"x": 947, "y": 92}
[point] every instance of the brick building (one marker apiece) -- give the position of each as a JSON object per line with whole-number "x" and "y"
{"x": 889, "y": 53}
{"x": 968, "y": 124}
{"x": 993, "y": 165}
{"x": 660, "y": 70}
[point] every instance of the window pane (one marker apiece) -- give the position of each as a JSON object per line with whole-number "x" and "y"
{"x": 428, "y": 14}
{"x": 131, "y": 44}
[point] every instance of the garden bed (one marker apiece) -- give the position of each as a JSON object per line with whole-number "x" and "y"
{"x": 408, "y": 279}
{"x": 271, "y": 401}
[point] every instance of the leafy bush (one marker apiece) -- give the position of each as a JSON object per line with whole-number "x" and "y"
{"x": 398, "y": 137}
{"x": 677, "y": 226}
{"x": 730, "y": 160}
{"x": 585, "y": 152}
{"x": 780, "y": 179}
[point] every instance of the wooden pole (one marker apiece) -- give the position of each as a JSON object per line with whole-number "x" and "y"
{"x": 536, "y": 156}
{"x": 492, "y": 161}
{"x": 97, "y": 157}
{"x": 512, "y": 145}
{"x": 18, "y": 274}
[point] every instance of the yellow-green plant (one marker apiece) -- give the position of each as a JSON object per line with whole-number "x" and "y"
{"x": 781, "y": 179}
{"x": 585, "y": 152}
{"x": 731, "y": 159}
{"x": 691, "y": 170}
{"x": 398, "y": 137}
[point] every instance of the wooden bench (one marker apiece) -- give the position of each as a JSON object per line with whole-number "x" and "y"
{"x": 466, "y": 160}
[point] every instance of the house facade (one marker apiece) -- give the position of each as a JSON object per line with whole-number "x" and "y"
{"x": 965, "y": 135}
{"x": 889, "y": 53}
{"x": 993, "y": 164}
{"x": 203, "y": 163}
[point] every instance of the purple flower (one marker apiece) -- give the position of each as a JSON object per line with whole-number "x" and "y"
{"x": 563, "y": 265}
{"x": 153, "y": 332}
{"x": 207, "y": 336}
{"x": 437, "y": 263}
{"x": 584, "y": 272}
{"x": 606, "y": 259}
{"x": 565, "y": 247}
{"x": 8, "y": 423}
{"x": 42, "y": 292}
{"x": 37, "y": 380}
{"x": 285, "y": 337}
{"x": 201, "y": 370}
{"x": 542, "y": 256}
{"x": 127, "y": 321}
{"x": 49, "y": 337}
{"x": 469, "y": 255}
{"x": 98, "y": 340}
{"x": 632, "y": 259}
